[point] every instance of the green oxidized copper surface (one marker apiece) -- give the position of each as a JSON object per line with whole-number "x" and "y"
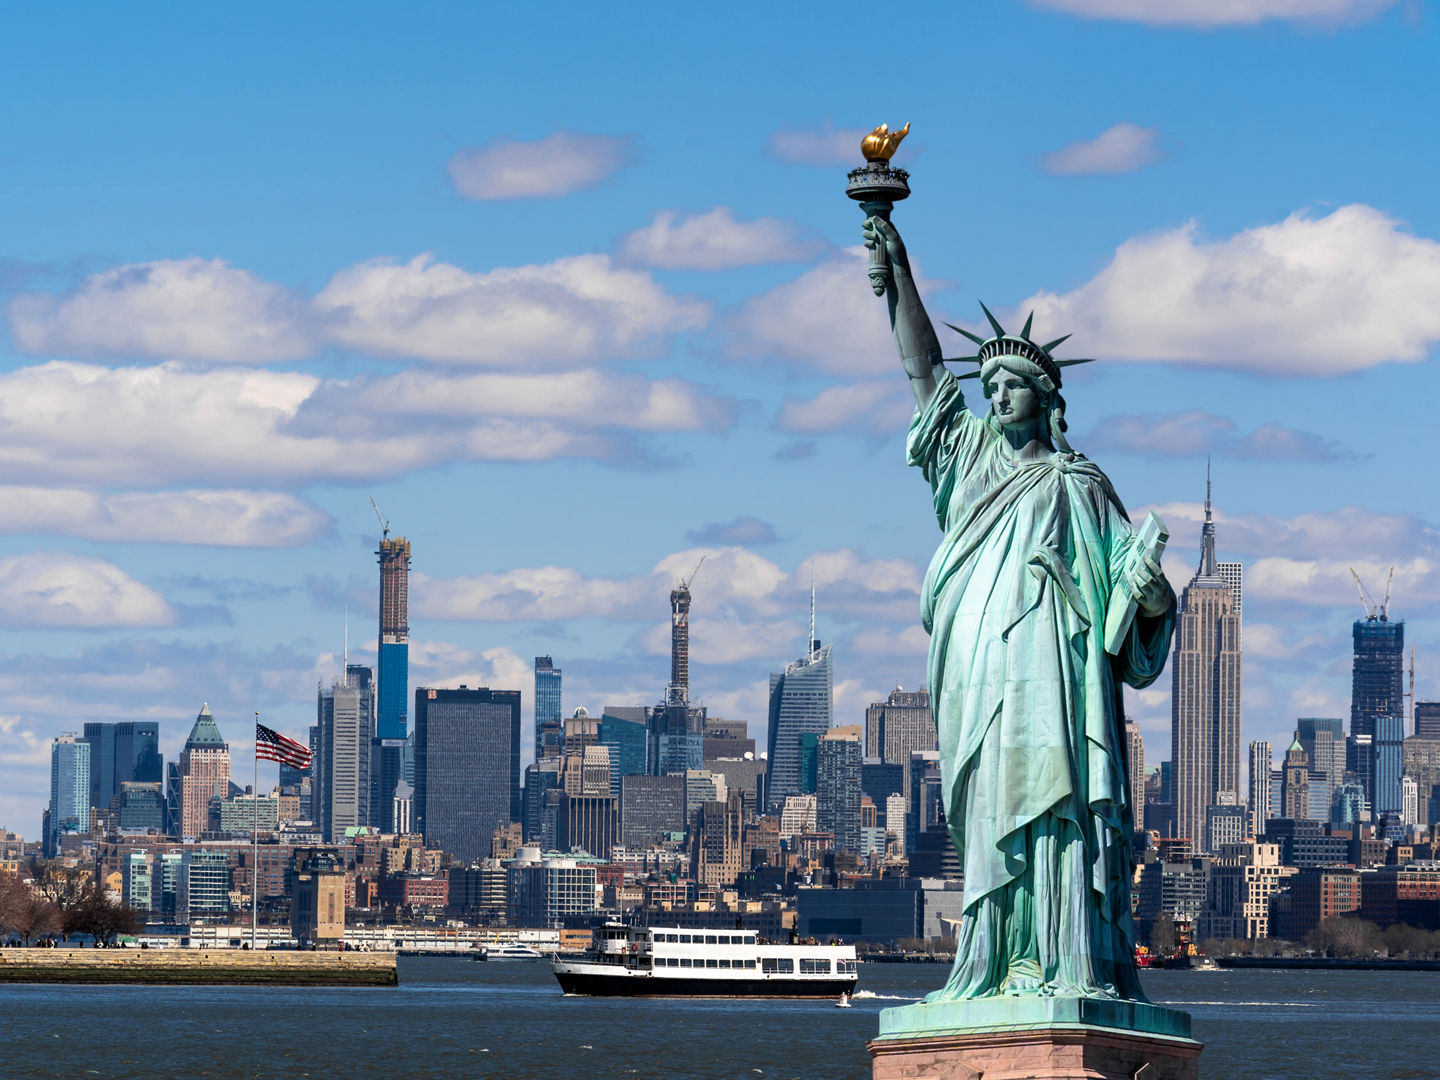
{"x": 1018, "y": 1013}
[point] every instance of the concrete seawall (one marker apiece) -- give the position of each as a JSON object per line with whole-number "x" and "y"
{"x": 204, "y": 967}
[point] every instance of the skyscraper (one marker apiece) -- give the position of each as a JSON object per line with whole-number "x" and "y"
{"x": 394, "y": 668}
{"x": 678, "y": 690}
{"x": 800, "y": 704}
{"x": 1386, "y": 768}
{"x": 125, "y": 752}
{"x": 204, "y": 773}
{"x": 1205, "y": 694}
{"x": 1376, "y": 687}
{"x": 837, "y": 786}
{"x": 1295, "y": 794}
{"x": 69, "y": 790}
{"x": 1135, "y": 762}
{"x": 386, "y": 767}
{"x": 467, "y": 767}
{"x": 345, "y": 714}
{"x": 1260, "y": 767}
{"x": 898, "y": 725}
{"x": 1324, "y": 741}
{"x": 547, "y": 700}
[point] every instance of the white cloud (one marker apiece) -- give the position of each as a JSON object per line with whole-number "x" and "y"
{"x": 55, "y": 589}
{"x": 201, "y": 309}
{"x": 219, "y": 518}
{"x": 1349, "y": 532}
{"x": 1212, "y": 13}
{"x": 541, "y": 169}
{"x": 166, "y": 425}
{"x": 1327, "y": 582}
{"x": 732, "y": 581}
{"x": 878, "y": 407}
{"x": 557, "y": 315}
{"x": 1122, "y": 148}
{"x": 1195, "y": 432}
{"x": 713, "y": 240}
{"x": 1308, "y": 296}
{"x": 825, "y": 145}
{"x": 561, "y": 314}
{"x": 827, "y": 319}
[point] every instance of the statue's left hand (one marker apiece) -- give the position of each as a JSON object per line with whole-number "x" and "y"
{"x": 1148, "y": 586}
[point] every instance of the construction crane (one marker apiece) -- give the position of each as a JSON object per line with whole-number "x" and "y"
{"x": 1385, "y": 604}
{"x": 385, "y": 525}
{"x": 1365, "y": 601}
{"x": 685, "y": 582}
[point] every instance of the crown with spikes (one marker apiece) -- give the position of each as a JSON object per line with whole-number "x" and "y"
{"x": 1003, "y": 344}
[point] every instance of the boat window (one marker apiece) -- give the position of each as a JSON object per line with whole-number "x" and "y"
{"x": 814, "y": 967}
{"x": 709, "y": 939}
{"x": 724, "y": 963}
{"x": 685, "y": 939}
{"x": 845, "y": 967}
{"x": 712, "y": 962}
{"x": 779, "y": 965}
{"x": 749, "y": 939}
{"x": 685, "y": 961}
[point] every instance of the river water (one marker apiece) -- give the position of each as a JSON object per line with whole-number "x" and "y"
{"x": 455, "y": 1018}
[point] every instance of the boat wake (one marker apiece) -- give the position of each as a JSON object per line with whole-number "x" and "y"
{"x": 870, "y": 995}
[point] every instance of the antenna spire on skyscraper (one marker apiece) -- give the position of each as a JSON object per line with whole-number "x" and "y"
{"x": 1208, "y": 563}
{"x": 810, "y": 642}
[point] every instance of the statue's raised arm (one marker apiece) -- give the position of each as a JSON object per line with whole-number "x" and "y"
{"x": 914, "y": 333}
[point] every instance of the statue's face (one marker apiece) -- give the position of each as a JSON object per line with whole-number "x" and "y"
{"x": 1016, "y": 400}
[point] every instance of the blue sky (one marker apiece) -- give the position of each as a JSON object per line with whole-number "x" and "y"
{"x": 573, "y": 293}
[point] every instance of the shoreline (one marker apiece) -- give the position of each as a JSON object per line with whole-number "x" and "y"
{"x": 196, "y": 967}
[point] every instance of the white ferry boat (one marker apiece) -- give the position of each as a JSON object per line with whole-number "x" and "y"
{"x": 671, "y": 961}
{"x": 513, "y": 951}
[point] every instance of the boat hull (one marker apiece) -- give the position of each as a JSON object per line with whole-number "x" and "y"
{"x": 588, "y": 985}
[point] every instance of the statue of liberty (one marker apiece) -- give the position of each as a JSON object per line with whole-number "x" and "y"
{"x": 1040, "y": 602}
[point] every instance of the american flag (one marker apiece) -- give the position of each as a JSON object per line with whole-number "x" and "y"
{"x": 272, "y": 746}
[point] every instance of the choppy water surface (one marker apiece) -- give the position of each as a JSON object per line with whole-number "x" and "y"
{"x": 457, "y": 1018}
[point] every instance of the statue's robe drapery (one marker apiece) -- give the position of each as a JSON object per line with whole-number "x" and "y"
{"x": 1028, "y": 706}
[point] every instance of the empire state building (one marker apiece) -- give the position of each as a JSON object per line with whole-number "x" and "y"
{"x": 1205, "y": 695}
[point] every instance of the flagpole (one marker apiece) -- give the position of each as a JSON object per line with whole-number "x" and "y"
{"x": 255, "y": 841}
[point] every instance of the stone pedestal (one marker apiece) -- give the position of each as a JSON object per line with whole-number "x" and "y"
{"x": 1034, "y": 1039}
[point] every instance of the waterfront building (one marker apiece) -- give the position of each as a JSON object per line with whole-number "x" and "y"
{"x": 137, "y": 888}
{"x": 120, "y": 753}
{"x": 345, "y": 716}
{"x": 69, "y": 790}
{"x": 548, "y": 699}
{"x": 1174, "y": 886}
{"x": 317, "y": 911}
{"x": 1135, "y": 763}
{"x": 886, "y": 911}
{"x": 800, "y": 704}
{"x": 467, "y": 767}
{"x": 1244, "y": 877}
{"x": 898, "y": 725}
{"x": 650, "y": 808}
{"x": 203, "y": 774}
{"x": 1312, "y": 895}
{"x": 837, "y": 786}
{"x": 1205, "y": 695}
{"x": 203, "y": 889}
{"x": 545, "y": 890}
{"x": 1402, "y": 894}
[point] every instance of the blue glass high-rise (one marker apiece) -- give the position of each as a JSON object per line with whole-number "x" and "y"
{"x": 547, "y": 699}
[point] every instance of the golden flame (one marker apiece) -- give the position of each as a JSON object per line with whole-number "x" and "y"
{"x": 881, "y": 143}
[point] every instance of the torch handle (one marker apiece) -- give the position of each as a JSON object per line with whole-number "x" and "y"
{"x": 879, "y": 260}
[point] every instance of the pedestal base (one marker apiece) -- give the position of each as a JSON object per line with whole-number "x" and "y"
{"x": 1034, "y": 1039}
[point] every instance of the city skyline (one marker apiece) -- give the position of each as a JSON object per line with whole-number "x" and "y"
{"x": 222, "y": 340}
